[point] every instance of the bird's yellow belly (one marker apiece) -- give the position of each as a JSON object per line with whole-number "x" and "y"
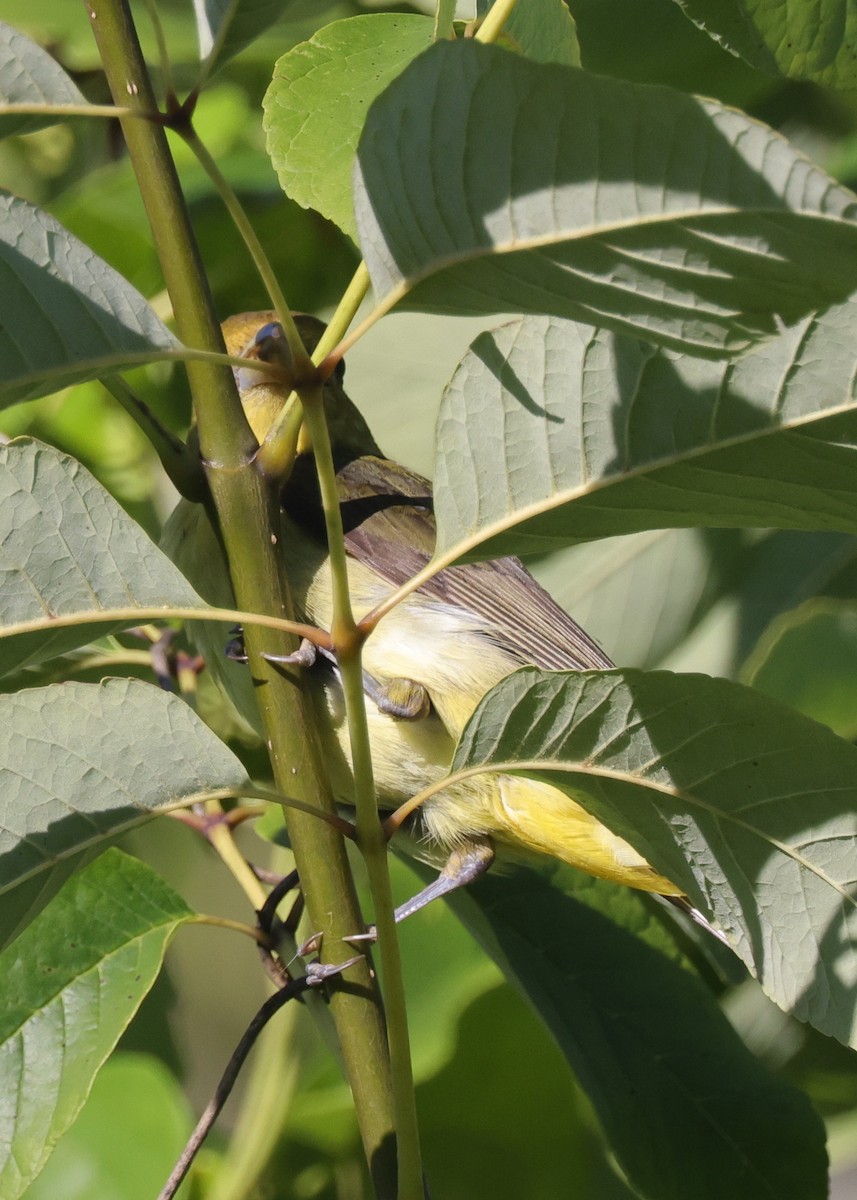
{"x": 521, "y": 816}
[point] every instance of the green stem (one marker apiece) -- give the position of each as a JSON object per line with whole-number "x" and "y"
{"x": 276, "y": 453}
{"x": 106, "y": 111}
{"x": 492, "y": 26}
{"x": 257, "y": 252}
{"x": 161, "y": 42}
{"x": 249, "y": 518}
{"x": 371, "y": 839}
{"x": 345, "y": 313}
{"x": 136, "y": 613}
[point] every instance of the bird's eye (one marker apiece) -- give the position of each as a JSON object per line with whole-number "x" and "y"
{"x": 272, "y": 330}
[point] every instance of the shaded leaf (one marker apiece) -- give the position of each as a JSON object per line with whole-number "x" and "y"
{"x": 486, "y": 182}
{"x": 777, "y": 571}
{"x": 814, "y": 40}
{"x": 28, "y": 75}
{"x": 746, "y": 805}
{"x": 65, "y": 315}
{"x": 224, "y": 27}
{"x": 68, "y": 989}
{"x": 551, "y": 433}
{"x": 317, "y": 103}
{"x": 544, "y": 31}
{"x": 808, "y": 659}
{"x": 528, "y": 1130}
{"x": 659, "y": 45}
{"x": 66, "y": 548}
{"x": 678, "y": 1094}
{"x": 81, "y": 764}
{"x": 640, "y": 595}
{"x": 785, "y": 568}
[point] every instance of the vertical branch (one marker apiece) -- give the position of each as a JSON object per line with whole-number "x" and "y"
{"x": 347, "y": 644}
{"x": 248, "y": 515}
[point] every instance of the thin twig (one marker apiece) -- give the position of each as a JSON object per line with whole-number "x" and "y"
{"x": 227, "y": 1081}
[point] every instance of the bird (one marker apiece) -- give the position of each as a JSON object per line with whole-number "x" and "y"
{"x": 433, "y": 657}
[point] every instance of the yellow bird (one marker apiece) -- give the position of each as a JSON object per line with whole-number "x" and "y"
{"x": 432, "y": 658}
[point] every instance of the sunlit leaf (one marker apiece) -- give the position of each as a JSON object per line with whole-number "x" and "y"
{"x": 68, "y": 988}
{"x": 317, "y": 103}
{"x": 746, "y": 805}
{"x": 486, "y": 183}
{"x": 551, "y": 432}
{"x": 81, "y": 764}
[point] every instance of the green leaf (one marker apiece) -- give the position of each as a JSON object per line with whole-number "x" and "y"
{"x": 679, "y": 1096}
{"x": 126, "y": 1139}
{"x": 317, "y": 103}
{"x": 641, "y": 595}
{"x": 815, "y": 40}
{"x": 224, "y": 27}
{"x": 190, "y": 541}
{"x": 659, "y": 45}
{"x": 746, "y": 805}
{"x": 544, "y": 31}
{"x": 489, "y": 183}
{"x": 808, "y": 659}
{"x": 65, "y": 315}
{"x": 782, "y": 570}
{"x": 28, "y": 75}
{"x": 81, "y": 764}
{"x": 66, "y": 549}
{"x": 68, "y": 988}
{"x": 551, "y": 433}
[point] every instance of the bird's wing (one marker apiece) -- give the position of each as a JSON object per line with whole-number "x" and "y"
{"x": 389, "y": 524}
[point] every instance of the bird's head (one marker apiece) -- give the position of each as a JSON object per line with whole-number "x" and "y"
{"x": 257, "y": 336}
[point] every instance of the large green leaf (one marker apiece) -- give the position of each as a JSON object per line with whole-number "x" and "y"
{"x": 68, "y": 988}
{"x": 28, "y": 75}
{"x": 65, "y": 315}
{"x": 81, "y": 764}
{"x": 551, "y": 432}
{"x": 488, "y": 183}
{"x": 678, "y": 1094}
{"x": 746, "y": 805}
{"x": 318, "y": 100}
{"x": 66, "y": 549}
{"x": 321, "y": 91}
{"x": 815, "y": 39}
